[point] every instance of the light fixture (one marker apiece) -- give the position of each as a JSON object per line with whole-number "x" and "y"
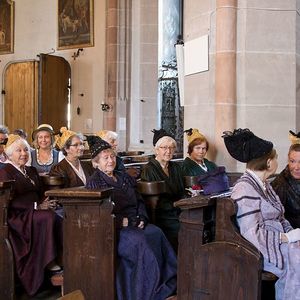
{"x": 106, "y": 107}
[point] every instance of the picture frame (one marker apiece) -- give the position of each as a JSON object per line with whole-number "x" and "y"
{"x": 75, "y": 24}
{"x": 7, "y": 11}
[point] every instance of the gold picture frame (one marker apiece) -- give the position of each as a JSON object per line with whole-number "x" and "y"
{"x": 7, "y": 10}
{"x": 75, "y": 24}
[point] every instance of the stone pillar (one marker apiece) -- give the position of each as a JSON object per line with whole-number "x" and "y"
{"x": 225, "y": 81}
{"x": 109, "y": 117}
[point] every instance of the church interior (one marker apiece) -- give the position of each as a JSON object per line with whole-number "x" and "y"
{"x": 134, "y": 67}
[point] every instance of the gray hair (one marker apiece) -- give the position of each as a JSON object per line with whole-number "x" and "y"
{"x": 11, "y": 148}
{"x": 4, "y": 129}
{"x": 110, "y": 135}
{"x": 68, "y": 142}
{"x": 165, "y": 139}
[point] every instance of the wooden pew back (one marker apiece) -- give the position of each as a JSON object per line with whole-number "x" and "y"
{"x": 227, "y": 268}
{"x": 7, "y": 280}
{"x": 89, "y": 249}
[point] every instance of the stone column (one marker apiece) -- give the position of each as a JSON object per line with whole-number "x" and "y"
{"x": 109, "y": 117}
{"x": 225, "y": 81}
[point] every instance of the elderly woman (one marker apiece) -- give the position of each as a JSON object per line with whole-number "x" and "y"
{"x": 287, "y": 183}
{"x": 161, "y": 168}
{"x": 112, "y": 138}
{"x": 196, "y": 163}
{"x": 34, "y": 233}
{"x": 147, "y": 262}
{"x": 44, "y": 156}
{"x": 74, "y": 171}
{"x": 260, "y": 214}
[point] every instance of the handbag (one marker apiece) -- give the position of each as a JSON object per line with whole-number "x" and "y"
{"x": 214, "y": 181}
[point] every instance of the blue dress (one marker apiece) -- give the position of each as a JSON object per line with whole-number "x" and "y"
{"x": 147, "y": 267}
{"x": 44, "y": 168}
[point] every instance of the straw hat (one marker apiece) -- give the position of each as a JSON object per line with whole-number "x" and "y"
{"x": 65, "y": 134}
{"x": 11, "y": 139}
{"x": 42, "y": 127}
{"x": 193, "y": 134}
{"x": 294, "y": 138}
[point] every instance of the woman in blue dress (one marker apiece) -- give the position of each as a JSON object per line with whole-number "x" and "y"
{"x": 44, "y": 156}
{"x": 147, "y": 263}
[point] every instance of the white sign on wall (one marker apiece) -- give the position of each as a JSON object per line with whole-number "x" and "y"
{"x": 196, "y": 55}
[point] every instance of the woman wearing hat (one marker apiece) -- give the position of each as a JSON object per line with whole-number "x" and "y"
{"x": 260, "y": 214}
{"x": 147, "y": 263}
{"x": 34, "y": 233}
{"x": 74, "y": 171}
{"x": 44, "y": 156}
{"x": 161, "y": 168}
{"x": 112, "y": 138}
{"x": 287, "y": 183}
{"x": 196, "y": 163}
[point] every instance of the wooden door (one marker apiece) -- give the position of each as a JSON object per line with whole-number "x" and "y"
{"x": 37, "y": 92}
{"x": 54, "y": 90}
{"x": 20, "y": 96}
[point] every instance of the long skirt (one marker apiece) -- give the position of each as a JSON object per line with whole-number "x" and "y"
{"x": 287, "y": 286}
{"x": 147, "y": 266}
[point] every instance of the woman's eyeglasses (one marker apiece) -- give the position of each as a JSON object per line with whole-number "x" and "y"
{"x": 165, "y": 148}
{"x": 78, "y": 145}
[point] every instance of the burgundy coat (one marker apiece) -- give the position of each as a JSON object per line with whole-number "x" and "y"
{"x": 31, "y": 232}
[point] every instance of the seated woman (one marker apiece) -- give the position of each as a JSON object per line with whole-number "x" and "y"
{"x": 196, "y": 163}
{"x": 111, "y": 137}
{"x": 260, "y": 214}
{"x": 44, "y": 156}
{"x": 162, "y": 168}
{"x": 71, "y": 168}
{"x": 147, "y": 262}
{"x": 287, "y": 183}
{"x": 35, "y": 233}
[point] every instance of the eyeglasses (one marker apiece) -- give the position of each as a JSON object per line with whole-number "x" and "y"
{"x": 78, "y": 145}
{"x": 165, "y": 148}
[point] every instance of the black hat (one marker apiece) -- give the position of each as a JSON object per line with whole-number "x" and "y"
{"x": 244, "y": 145}
{"x": 96, "y": 144}
{"x": 158, "y": 134}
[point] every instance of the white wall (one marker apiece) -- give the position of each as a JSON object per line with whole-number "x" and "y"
{"x": 36, "y": 32}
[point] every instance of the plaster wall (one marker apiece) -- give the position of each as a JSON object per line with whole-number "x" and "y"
{"x": 36, "y": 32}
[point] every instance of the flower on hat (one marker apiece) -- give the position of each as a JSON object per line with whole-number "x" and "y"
{"x": 65, "y": 134}
{"x": 193, "y": 134}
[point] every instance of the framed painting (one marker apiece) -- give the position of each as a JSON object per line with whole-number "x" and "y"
{"x": 6, "y": 26}
{"x": 75, "y": 24}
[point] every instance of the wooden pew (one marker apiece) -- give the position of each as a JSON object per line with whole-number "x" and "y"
{"x": 150, "y": 191}
{"x": 7, "y": 279}
{"x": 228, "y": 267}
{"x": 89, "y": 249}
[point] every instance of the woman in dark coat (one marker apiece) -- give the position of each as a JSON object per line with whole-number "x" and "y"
{"x": 196, "y": 164}
{"x": 161, "y": 168}
{"x": 34, "y": 231}
{"x": 74, "y": 171}
{"x": 147, "y": 262}
{"x": 287, "y": 184}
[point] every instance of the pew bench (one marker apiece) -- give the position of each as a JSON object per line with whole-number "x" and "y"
{"x": 89, "y": 241}
{"x": 226, "y": 267}
{"x": 7, "y": 276}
